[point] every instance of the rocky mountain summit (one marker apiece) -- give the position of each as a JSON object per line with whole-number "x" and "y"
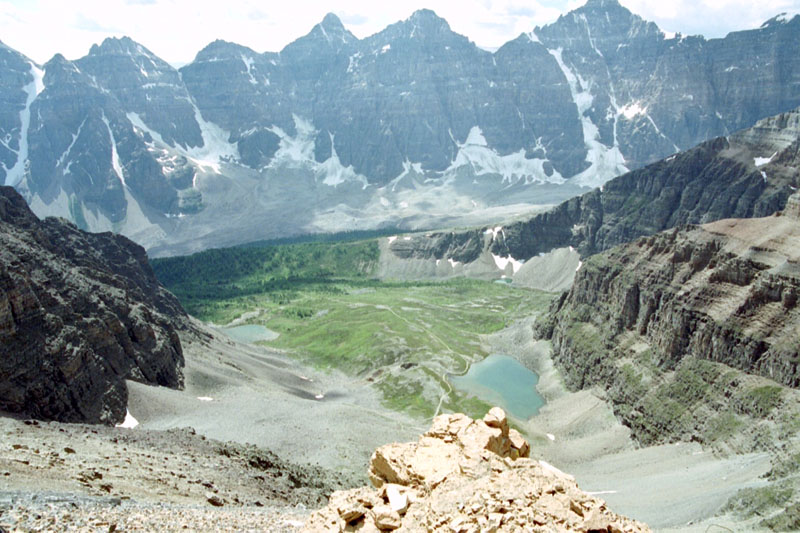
{"x": 466, "y": 475}
{"x": 79, "y": 314}
{"x": 216, "y": 153}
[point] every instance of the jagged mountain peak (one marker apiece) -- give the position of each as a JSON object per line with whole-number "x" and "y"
{"x": 9, "y": 54}
{"x": 59, "y": 68}
{"x": 120, "y": 45}
{"x": 332, "y": 22}
{"x": 332, "y": 27}
{"x": 424, "y": 25}
{"x": 599, "y": 27}
{"x": 602, "y": 3}
{"x": 606, "y": 12}
{"x": 220, "y": 49}
{"x": 331, "y": 31}
{"x": 426, "y": 15}
{"x": 428, "y": 19}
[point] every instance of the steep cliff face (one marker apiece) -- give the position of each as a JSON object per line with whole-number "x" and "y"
{"x": 727, "y": 292}
{"x": 79, "y": 314}
{"x": 689, "y": 329}
{"x": 693, "y": 334}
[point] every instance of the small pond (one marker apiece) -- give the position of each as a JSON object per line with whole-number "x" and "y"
{"x": 251, "y": 333}
{"x": 502, "y": 380}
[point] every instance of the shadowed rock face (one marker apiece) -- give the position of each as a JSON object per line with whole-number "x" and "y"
{"x": 79, "y": 314}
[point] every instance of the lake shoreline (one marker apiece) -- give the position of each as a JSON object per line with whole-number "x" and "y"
{"x": 673, "y": 487}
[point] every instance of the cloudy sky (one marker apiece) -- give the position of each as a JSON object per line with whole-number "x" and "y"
{"x": 177, "y": 29}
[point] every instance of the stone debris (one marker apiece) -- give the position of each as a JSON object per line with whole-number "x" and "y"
{"x": 466, "y": 476}
{"x": 214, "y": 499}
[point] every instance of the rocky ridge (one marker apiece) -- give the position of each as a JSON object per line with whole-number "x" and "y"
{"x": 216, "y": 152}
{"x": 466, "y": 475}
{"x": 726, "y": 292}
{"x": 692, "y": 335}
{"x": 749, "y": 174}
{"x": 79, "y": 314}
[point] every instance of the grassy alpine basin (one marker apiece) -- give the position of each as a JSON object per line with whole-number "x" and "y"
{"x": 328, "y": 311}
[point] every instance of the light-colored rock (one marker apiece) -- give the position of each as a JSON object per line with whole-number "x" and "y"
{"x": 468, "y": 476}
{"x": 519, "y": 443}
{"x": 496, "y": 418}
{"x": 386, "y": 519}
{"x": 793, "y": 206}
{"x": 398, "y": 500}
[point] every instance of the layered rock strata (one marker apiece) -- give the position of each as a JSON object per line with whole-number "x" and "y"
{"x": 466, "y": 475}
{"x": 726, "y": 291}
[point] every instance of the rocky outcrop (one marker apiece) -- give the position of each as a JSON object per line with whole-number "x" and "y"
{"x": 793, "y": 207}
{"x": 691, "y": 334}
{"x": 79, "y": 314}
{"x": 466, "y": 475}
{"x": 726, "y": 292}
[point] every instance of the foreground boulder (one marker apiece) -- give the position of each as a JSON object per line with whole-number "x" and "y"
{"x": 463, "y": 476}
{"x": 79, "y": 314}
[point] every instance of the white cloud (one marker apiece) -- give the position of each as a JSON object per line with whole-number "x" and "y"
{"x": 177, "y": 29}
{"x": 711, "y": 18}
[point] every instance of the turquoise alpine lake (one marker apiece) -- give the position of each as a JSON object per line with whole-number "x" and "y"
{"x": 251, "y": 333}
{"x": 503, "y": 381}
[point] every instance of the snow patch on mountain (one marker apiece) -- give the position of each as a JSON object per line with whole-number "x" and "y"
{"x": 787, "y": 16}
{"x": 782, "y": 18}
{"x": 216, "y": 146}
{"x": 248, "y": 63}
{"x": 298, "y": 150}
{"x": 408, "y": 168}
{"x": 761, "y": 161}
{"x": 605, "y": 162}
{"x": 475, "y": 152}
{"x": 114, "y": 153}
{"x": 139, "y": 124}
{"x": 494, "y": 232}
{"x": 633, "y": 110}
{"x": 333, "y": 173}
{"x": 503, "y": 262}
{"x": 15, "y": 174}
{"x": 215, "y": 149}
{"x": 63, "y": 158}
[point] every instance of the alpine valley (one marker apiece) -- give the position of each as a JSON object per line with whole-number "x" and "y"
{"x": 413, "y": 127}
{"x": 230, "y": 291}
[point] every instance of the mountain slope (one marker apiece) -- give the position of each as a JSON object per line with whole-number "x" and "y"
{"x": 748, "y": 174}
{"x": 79, "y": 314}
{"x": 692, "y": 335}
{"x": 414, "y": 126}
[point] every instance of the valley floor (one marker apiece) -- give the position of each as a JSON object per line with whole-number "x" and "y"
{"x": 62, "y": 476}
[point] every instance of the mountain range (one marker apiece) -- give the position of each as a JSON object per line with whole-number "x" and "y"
{"x": 414, "y": 126}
